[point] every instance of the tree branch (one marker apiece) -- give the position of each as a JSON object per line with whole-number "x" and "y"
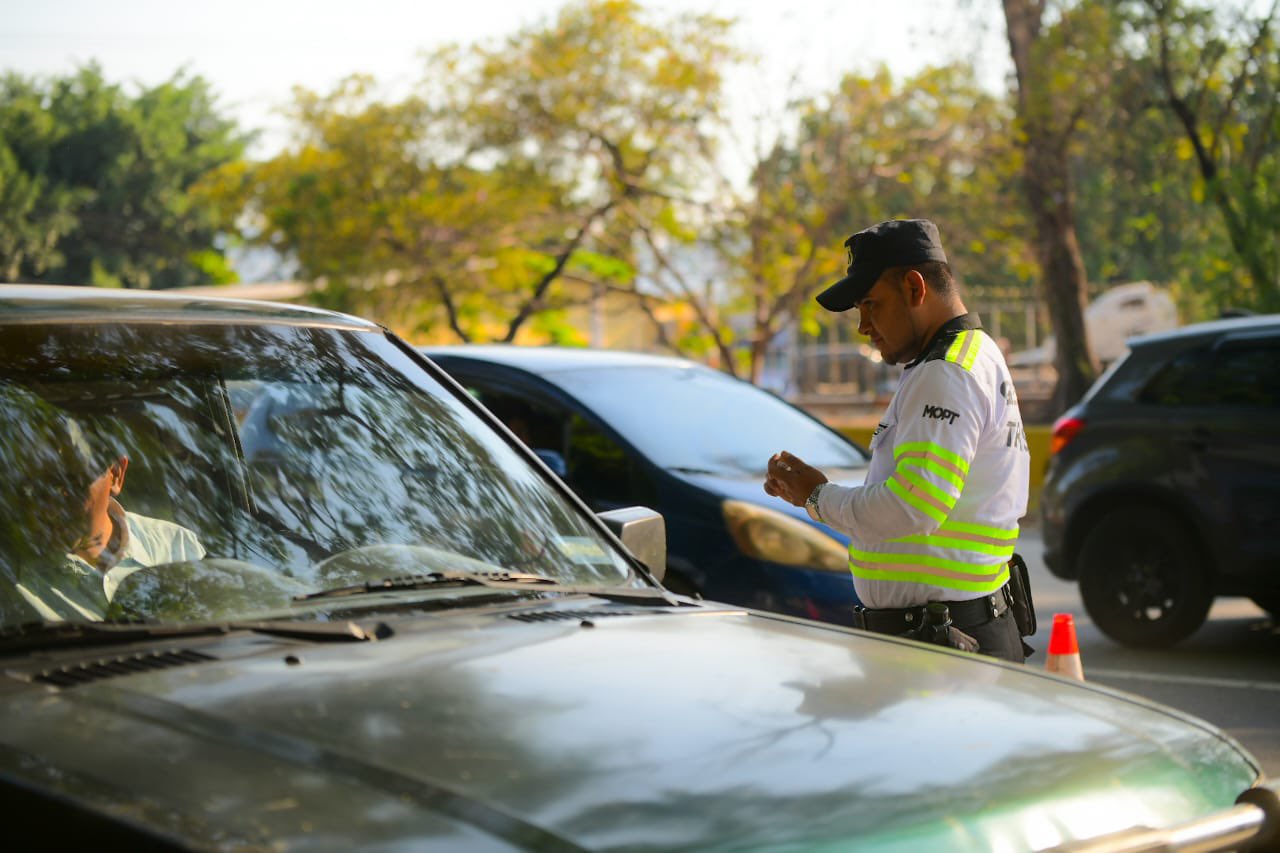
{"x": 446, "y": 299}
{"x": 540, "y": 289}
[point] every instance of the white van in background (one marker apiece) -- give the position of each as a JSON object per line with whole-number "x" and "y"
{"x": 1123, "y": 312}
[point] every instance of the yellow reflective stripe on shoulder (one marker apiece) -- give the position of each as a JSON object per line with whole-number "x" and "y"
{"x": 964, "y": 349}
{"x": 935, "y": 571}
{"x": 936, "y": 452}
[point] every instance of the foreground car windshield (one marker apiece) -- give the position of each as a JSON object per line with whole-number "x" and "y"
{"x": 695, "y": 418}
{"x": 216, "y": 471}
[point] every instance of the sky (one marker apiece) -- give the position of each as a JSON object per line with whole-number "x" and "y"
{"x": 254, "y": 52}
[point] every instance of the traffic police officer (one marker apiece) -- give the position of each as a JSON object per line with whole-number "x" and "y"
{"x": 936, "y": 519}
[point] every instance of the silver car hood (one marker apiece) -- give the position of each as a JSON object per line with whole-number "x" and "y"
{"x": 580, "y": 724}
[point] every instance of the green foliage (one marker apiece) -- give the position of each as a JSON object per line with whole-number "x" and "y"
{"x": 1138, "y": 216}
{"x": 96, "y": 186}
{"x": 580, "y": 155}
{"x": 515, "y": 168}
{"x": 1216, "y": 73}
{"x": 933, "y": 146}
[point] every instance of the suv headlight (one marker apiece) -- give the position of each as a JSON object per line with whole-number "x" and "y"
{"x": 767, "y": 534}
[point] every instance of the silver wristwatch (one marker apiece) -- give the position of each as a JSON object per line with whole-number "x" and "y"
{"x": 811, "y": 502}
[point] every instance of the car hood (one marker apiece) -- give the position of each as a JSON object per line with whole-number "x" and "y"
{"x": 584, "y": 725}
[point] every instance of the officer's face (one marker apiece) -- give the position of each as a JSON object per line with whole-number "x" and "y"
{"x": 884, "y": 316}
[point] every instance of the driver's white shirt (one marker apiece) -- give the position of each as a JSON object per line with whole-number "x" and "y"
{"x": 80, "y": 590}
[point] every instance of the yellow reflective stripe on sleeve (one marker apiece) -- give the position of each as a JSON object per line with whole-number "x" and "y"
{"x": 946, "y": 472}
{"x": 916, "y": 483}
{"x": 964, "y": 349}
{"x": 935, "y": 571}
{"x": 936, "y": 452}
{"x": 916, "y": 458}
{"x": 917, "y": 494}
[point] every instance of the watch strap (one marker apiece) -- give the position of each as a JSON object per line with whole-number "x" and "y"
{"x": 811, "y": 502}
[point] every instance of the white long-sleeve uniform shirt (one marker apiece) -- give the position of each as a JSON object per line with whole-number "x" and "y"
{"x": 937, "y": 516}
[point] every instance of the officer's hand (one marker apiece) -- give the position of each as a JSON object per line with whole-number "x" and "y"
{"x": 790, "y": 478}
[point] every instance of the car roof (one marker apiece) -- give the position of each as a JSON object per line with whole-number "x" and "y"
{"x": 22, "y": 304}
{"x": 551, "y": 359}
{"x": 1209, "y": 329}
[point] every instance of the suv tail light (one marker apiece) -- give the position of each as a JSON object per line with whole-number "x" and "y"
{"x": 1065, "y": 428}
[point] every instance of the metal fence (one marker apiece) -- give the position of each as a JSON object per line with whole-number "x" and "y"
{"x": 842, "y": 374}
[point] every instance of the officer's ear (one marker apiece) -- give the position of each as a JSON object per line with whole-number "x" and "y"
{"x": 914, "y": 288}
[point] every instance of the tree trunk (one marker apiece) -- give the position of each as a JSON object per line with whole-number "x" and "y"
{"x": 1050, "y": 196}
{"x": 1063, "y": 279}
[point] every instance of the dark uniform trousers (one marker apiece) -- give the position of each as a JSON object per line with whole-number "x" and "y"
{"x": 988, "y": 620}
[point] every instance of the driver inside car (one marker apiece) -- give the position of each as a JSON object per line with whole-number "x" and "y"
{"x": 105, "y": 543}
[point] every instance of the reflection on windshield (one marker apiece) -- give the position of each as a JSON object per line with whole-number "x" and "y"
{"x": 215, "y": 471}
{"x": 697, "y": 419}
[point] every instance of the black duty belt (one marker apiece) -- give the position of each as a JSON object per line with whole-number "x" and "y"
{"x": 899, "y": 620}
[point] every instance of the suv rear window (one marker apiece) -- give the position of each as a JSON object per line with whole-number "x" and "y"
{"x": 1237, "y": 373}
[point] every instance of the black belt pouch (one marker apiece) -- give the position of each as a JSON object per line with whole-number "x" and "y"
{"x": 1024, "y": 609}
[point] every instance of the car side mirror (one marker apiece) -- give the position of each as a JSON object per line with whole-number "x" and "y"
{"x": 644, "y": 532}
{"x": 553, "y": 460}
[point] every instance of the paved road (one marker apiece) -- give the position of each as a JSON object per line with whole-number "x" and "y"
{"x": 1228, "y": 672}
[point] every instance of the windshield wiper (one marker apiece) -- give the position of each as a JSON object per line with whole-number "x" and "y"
{"x": 444, "y": 578}
{"x": 33, "y": 636}
{"x": 503, "y": 580}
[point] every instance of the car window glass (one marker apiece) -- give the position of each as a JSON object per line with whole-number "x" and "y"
{"x": 1238, "y": 373}
{"x": 1244, "y": 374}
{"x": 255, "y": 463}
{"x": 695, "y": 418}
{"x": 597, "y": 467}
{"x": 1184, "y": 381}
{"x": 601, "y": 471}
{"x": 534, "y": 423}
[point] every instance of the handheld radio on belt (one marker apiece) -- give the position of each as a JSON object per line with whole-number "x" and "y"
{"x": 936, "y": 628}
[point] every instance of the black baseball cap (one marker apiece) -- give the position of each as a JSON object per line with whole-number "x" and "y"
{"x": 895, "y": 243}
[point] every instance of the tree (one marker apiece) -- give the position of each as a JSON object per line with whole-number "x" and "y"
{"x": 97, "y": 184}
{"x": 614, "y": 110}
{"x": 35, "y": 211}
{"x": 1220, "y": 80}
{"x": 934, "y": 146}
{"x": 1136, "y": 213}
{"x": 512, "y": 169}
{"x": 1062, "y": 66}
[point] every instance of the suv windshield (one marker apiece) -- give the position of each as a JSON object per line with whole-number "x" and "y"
{"x": 705, "y": 420}
{"x": 216, "y": 471}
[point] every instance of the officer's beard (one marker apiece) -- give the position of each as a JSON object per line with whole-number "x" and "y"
{"x": 910, "y": 351}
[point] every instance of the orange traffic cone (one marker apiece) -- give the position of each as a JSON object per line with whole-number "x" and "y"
{"x": 1064, "y": 653}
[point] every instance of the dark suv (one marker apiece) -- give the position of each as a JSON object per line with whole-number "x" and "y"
{"x": 1163, "y": 486}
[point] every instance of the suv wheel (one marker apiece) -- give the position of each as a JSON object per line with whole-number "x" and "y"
{"x": 1141, "y": 578}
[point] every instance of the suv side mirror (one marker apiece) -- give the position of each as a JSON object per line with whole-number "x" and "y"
{"x": 644, "y": 532}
